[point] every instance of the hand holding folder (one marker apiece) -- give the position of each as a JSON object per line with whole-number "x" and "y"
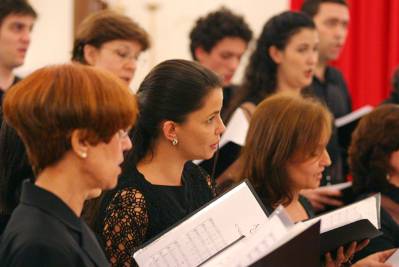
{"x": 355, "y": 222}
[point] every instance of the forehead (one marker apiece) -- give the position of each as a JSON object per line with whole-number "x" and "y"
{"x": 333, "y": 10}
{"x": 211, "y": 103}
{"x": 18, "y": 18}
{"x": 128, "y": 44}
{"x": 233, "y": 44}
{"x": 304, "y": 35}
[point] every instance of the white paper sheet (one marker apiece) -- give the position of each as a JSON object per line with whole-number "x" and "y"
{"x": 224, "y": 221}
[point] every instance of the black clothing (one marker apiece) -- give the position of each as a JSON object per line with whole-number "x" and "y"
{"x": 228, "y": 94}
{"x": 389, "y": 227}
{"x": 2, "y": 92}
{"x": 304, "y": 202}
{"x": 392, "y": 99}
{"x": 44, "y": 231}
{"x": 141, "y": 210}
{"x": 334, "y": 93}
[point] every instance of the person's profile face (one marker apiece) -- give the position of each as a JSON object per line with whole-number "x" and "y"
{"x": 296, "y": 63}
{"x": 199, "y": 134}
{"x": 308, "y": 174}
{"x": 331, "y": 21}
{"x": 224, "y": 58}
{"x": 118, "y": 56}
{"x": 103, "y": 162}
{"x": 15, "y": 36}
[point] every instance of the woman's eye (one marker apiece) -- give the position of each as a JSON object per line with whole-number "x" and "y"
{"x": 210, "y": 119}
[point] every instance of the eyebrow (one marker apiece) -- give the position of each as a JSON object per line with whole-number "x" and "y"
{"x": 214, "y": 113}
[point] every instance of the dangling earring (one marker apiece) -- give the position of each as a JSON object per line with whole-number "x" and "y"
{"x": 388, "y": 177}
{"x": 174, "y": 141}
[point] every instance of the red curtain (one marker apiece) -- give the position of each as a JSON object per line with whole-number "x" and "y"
{"x": 371, "y": 52}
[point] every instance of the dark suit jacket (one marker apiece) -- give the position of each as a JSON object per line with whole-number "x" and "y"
{"x": 44, "y": 231}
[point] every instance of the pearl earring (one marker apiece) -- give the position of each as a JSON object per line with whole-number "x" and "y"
{"x": 174, "y": 141}
{"x": 83, "y": 154}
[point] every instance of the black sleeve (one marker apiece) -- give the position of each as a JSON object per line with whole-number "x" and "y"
{"x": 43, "y": 255}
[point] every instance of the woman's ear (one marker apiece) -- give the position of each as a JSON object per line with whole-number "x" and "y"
{"x": 169, "y": 130}
{"x": 90, "y": 54}
{"x": 275, "y": 54}
{"x": 79, "y": 146}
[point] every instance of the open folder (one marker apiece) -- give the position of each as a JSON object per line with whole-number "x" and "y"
{"x": 217, "y": 225}
{"x": 275, "y": 243}
{"x": 355, "y": 222}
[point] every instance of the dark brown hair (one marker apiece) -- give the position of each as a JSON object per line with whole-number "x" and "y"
{"x": 373, "y": 142}
{"x": 49, "y": 104}
{"x": 311, "y": 7}
{"x": 284, "y": 127}
{"x": 16, "y": 7}
{"x": 105, "y": 26}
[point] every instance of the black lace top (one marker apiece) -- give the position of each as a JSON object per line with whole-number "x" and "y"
{"x": 137, "y": 210}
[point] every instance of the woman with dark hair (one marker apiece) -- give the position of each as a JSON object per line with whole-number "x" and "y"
{"x": 14, "y": 169}
{"x": 180, "y": 103}
{"x": 284, "y": 59}
{"x": 73, "y": 120}
{"x": 374, "y": 163}
{"x": 285, "y": 152}
{"x": 110, "y": 41}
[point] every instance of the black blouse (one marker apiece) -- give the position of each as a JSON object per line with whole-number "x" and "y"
{"x": 137, "y": 210}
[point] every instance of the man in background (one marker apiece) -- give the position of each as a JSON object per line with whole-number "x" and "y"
{"x": 17, "y": 18}
{"x": 218, "y": 42}
{"x": 331, "y": 18}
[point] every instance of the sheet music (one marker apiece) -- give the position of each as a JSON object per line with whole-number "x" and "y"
{"x": 339, "y": 186}
{"x": 201, "y": 242}
{"x": 267, "y": 238}
{"x": 364, "y": 209}
{"x": 355, "y": 115}
{"x": 224, "y": 221}
{"x": 394, "y": 259}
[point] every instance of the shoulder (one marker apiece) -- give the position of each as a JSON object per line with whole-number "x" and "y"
{"x": 37, "y": 253}
{"x": 127, "y": 198}
{"x": 198, "y": 179}
{"x": 334, "y": 73}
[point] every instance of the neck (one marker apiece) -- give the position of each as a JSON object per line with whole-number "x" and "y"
{"x": 164, "y": 166}
{"x": 284, "y": 86}
{"x": 6, "y": 78}
{"x": 66, "y": 183}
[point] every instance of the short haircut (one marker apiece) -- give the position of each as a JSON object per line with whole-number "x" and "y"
{"x": 17, "y": 7}
{"x": 105, "y": 26}
{"x": 209, "y": 30}
{"x": 284, "y": 127}
{"x": 373, "y": 142}
{"x": 49, "y": 104}
{"x": 311, "y": 7}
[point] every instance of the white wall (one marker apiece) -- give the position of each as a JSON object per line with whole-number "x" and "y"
{"x": 169, "y": 27}
{"x": 52, "y": 35}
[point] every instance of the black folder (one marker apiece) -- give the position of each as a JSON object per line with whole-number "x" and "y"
{"x": 301, "y": 251}
{"x": 356, "y": 231}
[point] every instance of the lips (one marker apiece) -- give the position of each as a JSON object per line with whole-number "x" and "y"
{"x": 309, "y": 74}
{"x": 215, "y": 145}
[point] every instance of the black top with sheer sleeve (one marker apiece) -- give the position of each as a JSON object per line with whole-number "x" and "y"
{"x": 136, "y": 210}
